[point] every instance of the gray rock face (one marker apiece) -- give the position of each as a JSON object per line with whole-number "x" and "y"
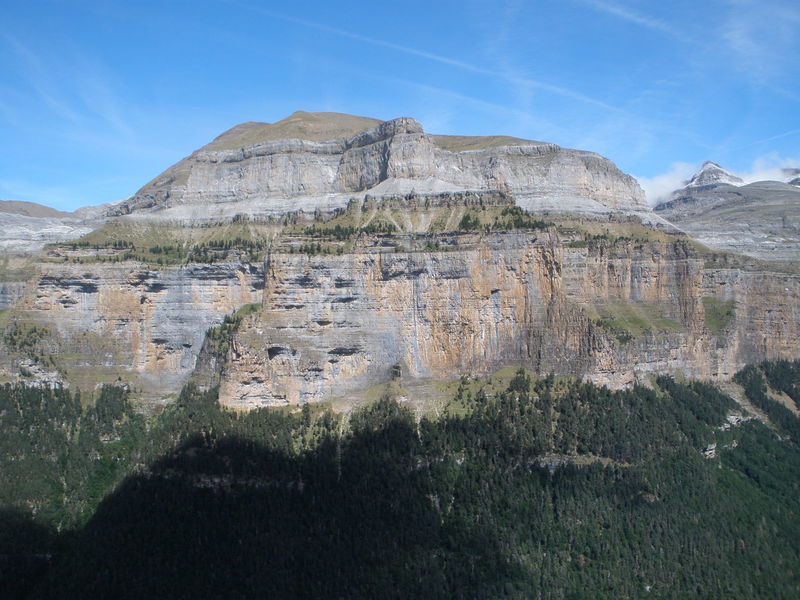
{"x": 611, "y": 308}
{"x": 332, "y": 325}
{"x": 790, "y": 174}
{"x": 277, "y": 176}
{"x": 26, "y": 227}
{"x": 107, "y": 321}
{"x": 10, "y": 292}
{"x": 23, "y": 234}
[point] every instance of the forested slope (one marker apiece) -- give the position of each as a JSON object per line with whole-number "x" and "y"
{"x": 550, "y": 489}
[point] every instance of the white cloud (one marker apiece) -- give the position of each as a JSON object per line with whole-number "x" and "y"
{"x": 762, "y": 36}
{"x": 627, "y": 14}
{"x": 769, "y": 167}
{"x": 659, "y": 187}
{"x": 74, "y": 87}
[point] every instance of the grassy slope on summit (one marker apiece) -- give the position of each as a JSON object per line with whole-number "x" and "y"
{"x": 302, "y": 125}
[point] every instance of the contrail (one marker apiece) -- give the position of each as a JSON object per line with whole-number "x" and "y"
{"x": 554, "y": 89}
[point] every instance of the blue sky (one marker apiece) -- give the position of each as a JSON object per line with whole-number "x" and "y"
{"x": 97, "y": 98}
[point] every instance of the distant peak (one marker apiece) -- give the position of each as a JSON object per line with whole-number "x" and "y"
{"x": 713, "y": 174}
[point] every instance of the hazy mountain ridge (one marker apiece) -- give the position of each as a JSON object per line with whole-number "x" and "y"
{"x": 760, "y": 219}
{"x": 28, "y": 226}
{"x": 31, "y": 209}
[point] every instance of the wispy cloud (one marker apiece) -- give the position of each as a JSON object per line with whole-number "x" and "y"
{"x": 631, "y": 16}
{"x": 659, "y": 187}
{"x": 489, "y": 107}
{"x": 34, "y": 72}
{"x": 438, "y": 124}
{"x": 763, "y": 37}
{"x": 455, "y": 63}
{"x": 766, "y": 140}
{"x": 769, "y": 167}
{"x": 73, "y": 87}
{"x": 777, "y": 137}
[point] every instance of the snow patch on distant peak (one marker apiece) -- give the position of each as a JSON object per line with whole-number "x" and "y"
{"x": 713, "y": 174}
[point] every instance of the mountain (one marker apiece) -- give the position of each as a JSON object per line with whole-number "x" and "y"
{"x": 320, "y": 161}
{"x": 760, "y": 219}
{"x": 30, "y": 209}
{"x": 340, "y": 357}
{"x": 382, "y": 253}
{"x": 711, "y": 174}
{"x": 791, "y": 175}
{"x": 28, "y": 226}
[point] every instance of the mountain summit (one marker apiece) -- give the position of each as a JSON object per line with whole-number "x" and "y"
{"x": 712, "y": 174}
{"x": 320, "y": 161}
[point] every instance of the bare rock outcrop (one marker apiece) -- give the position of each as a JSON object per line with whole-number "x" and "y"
{"x": 335, "y": 324}
{"x": 106, "y": 322}
{"x": 300, "y": 171}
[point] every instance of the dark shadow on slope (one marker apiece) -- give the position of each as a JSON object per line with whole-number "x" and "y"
{"x": 26, "y": 550}
{"x": 228, "y": 518}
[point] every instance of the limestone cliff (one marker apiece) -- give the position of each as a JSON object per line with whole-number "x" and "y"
{"x": 613, "y": 310}
{"x": 433, "y": 270}
{"x": 298, "y": 164}
{"x": 92, "y": 324}
{"x": 332, "y": 325}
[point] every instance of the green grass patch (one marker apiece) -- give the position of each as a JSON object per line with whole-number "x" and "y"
{"x": 167, "y": 244}
{"x": 25, "y": 337}
{"x": 247, "y": 309}
{"x": 718, "y": 314}
{"x": 392, "y": 216}
{"x": 6, "y": 314}
{"x": 627, "y": 321}
{"x": 610, "y": 232}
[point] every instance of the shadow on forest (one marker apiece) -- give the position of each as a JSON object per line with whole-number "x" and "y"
{"x": 230, "y": 518}
{"x": 26, "y": 550}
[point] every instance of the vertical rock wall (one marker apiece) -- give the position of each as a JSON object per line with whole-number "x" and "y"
{"x": 337, "y": 323}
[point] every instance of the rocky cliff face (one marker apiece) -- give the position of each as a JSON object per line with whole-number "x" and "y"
{"x": 287, "y": 172}
{"x": 332, "y": 325}
{"x": 325, "y": 325}
{"x": 27, "y": 227}
{"x": 433, "y": 271}
{"x": 96, "y": 324}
